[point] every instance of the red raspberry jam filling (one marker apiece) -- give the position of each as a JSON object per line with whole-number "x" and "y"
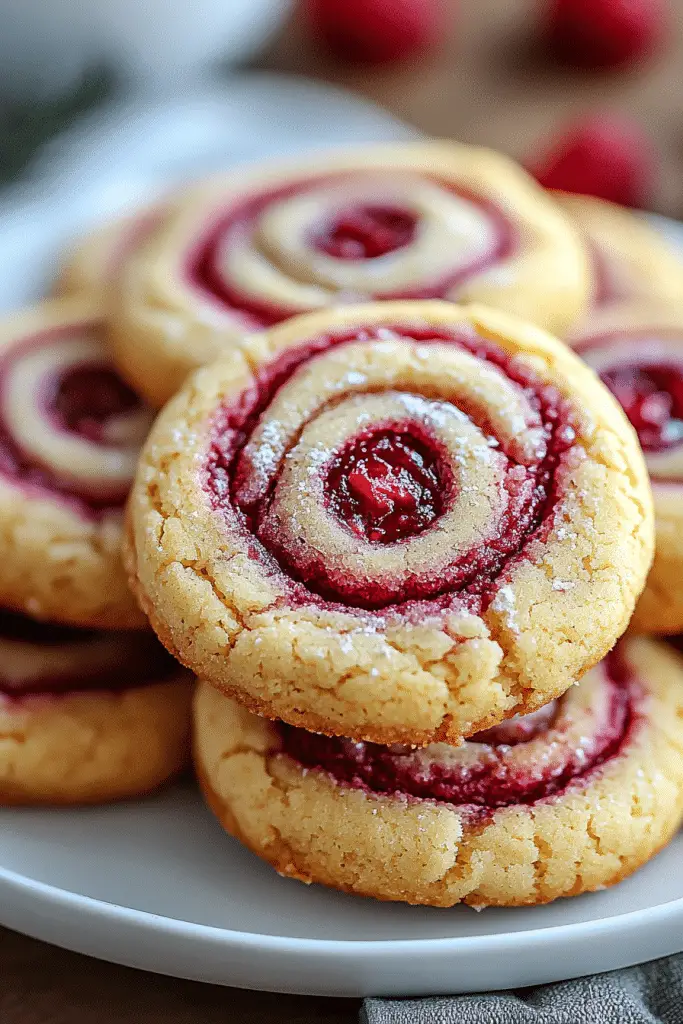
{"x": 42, "y": 658}
{"x": 365, "y": 232}
{"x": 84, "y": 398}
{"x": 493, "y": 769}
{"x": 59, "y": 403}
{"x": 390, "y": 485}
{"x": 652, "y": 398}
{"x": 386, "y": 486}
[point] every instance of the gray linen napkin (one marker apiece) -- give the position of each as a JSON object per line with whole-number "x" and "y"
{"x": 637, "y": 995}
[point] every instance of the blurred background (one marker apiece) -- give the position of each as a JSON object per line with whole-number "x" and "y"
{"x": 586, "y": 93}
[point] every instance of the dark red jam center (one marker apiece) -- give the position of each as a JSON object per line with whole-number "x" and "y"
{"x": 488, "y": 781}
{"x": 652, "y": 398}
{"x": 365, "y": 232}
{"x": 139, "y": 661}
{"x": 85, "y": 397}
{"x": 386, "y": 486}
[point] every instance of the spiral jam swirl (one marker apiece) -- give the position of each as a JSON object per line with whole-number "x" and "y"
{"x": 644, "y": 371}
{"x": 392, "y": 465}
{"x": 37, "y": 658}
{"x": 68, "y": 425}
{"x": 520, "y": 762}
{"x": 345, "y": 237}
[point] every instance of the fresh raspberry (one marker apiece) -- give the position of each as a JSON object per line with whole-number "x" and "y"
{"x": 603, "y": 156}
{"x": 378, "y": 31}
{"x": 602, "y": 34}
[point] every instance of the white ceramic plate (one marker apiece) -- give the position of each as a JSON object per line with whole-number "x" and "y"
{"x": 157, "y": 884}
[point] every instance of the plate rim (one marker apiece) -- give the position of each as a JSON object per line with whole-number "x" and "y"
{"x": 95, "y": 908}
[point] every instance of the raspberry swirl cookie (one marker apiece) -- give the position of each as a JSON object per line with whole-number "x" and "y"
{"x": 70, "y": 432}
{"x": 87, "y": 716}
{"x": 428, "y": 220}
{"x": 400, "y": 522}
{"x": 638, "y": 353}
{"x": 93, "y": 264}
{"x": 631, "y": 262}
{"x": 569, "y": 799}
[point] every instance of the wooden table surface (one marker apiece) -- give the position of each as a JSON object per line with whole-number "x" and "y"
{"x": 486, "y": 85}
{"x": 43, "y": 985}
{"x": 490, "y": 85}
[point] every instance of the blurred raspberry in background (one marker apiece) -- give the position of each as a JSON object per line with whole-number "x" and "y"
{"x": 377, "y": 31}
{"x": 605, "y": 34}
{"x": 605, "y": 156}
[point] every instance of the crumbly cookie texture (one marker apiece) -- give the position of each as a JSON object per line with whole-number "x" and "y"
{"x": 441, "y": 221}
{"x": 227, "y": 610}
{"x": 92, "y": 747}
{"x": 591, "y": 835}
{"x": 60, "y": 562}
{"x": 632, "y": 263}
{"x": 640, "y": 346}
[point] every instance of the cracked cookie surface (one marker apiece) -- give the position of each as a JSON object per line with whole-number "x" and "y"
{"x": 87, "y": 717}
{"x": 428, "y": 220}
{"x": 400, "y": 522}
{"x": 569, "y": 800}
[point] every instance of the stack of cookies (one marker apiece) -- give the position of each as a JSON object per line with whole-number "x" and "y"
{"x": 398, "y": 538}
{"x": 92, "y": 707}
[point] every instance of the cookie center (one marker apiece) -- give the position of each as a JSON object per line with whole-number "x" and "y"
{"x": 392, "y": 465}
{"x": 652, "y": 398}
{"x": 386, "y": 487}
{"x": 365, "y": 232}
{"x": 308, "y": 244}
{"x": 88, "y": 397}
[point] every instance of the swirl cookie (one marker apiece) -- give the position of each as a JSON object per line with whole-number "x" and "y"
{"x": 428, "y": 220}
{"x": 567, "y": 800}
{"x": 638, "y": 353}
{"x": 93, "y": 264}
{"x": 631, "y": 262}
{"x": 87, "y": 717}
{"x": 400, "y": 522}
{"x": 70, "y": 432}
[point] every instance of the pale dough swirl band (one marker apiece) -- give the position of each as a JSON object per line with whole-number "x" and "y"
{"x": 398, "y": 522}
{"x": 253, "y": 248}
